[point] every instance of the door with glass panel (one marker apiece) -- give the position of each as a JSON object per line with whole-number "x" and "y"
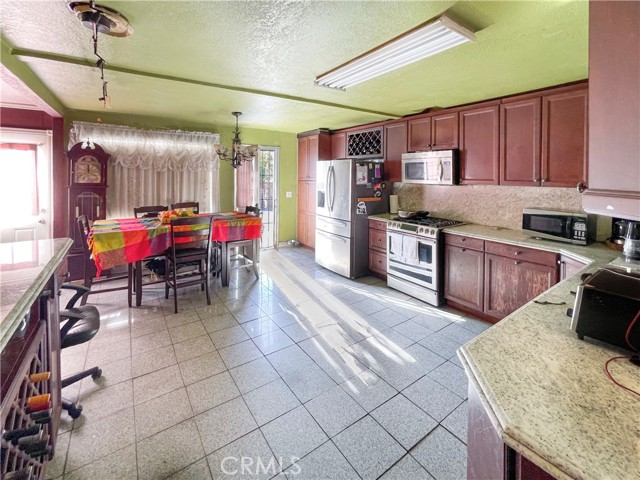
{"x": 257, "y": 182}
{"x": 25, "y": 186}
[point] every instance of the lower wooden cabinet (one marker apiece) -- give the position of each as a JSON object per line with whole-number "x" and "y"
{"x": 464, "y": 271}
{"x": 569, "y": 266}
{"x": 487, "y": 456}
{"x": 378, "y": 248}
{"x": 307, "y": 213}
{"x": 493, "y": 279}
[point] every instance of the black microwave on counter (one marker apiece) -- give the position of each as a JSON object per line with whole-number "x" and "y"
{"x": 566, "y": 226}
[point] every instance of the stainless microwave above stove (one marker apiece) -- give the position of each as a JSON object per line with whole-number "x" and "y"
{"x": 560, "y": 225}
{"x": 414, "y": 257}
{"x": 439, "y": 167}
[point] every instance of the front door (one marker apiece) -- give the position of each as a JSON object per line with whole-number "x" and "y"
{"x": 25, "y": 185}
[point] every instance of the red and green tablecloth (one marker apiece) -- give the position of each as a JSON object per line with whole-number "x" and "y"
{"x": 127, "y": 240}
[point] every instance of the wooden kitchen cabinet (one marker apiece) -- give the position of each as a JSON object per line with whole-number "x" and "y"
{"x": 378, "y": 248}
{"x": 307, "y": 213}
{"x": 487, "y": 456}
{"x": 464, "y": 271}
{"x": 492, "y": 279}
{"x": 433, "y": 132}
{"x": 312, "y": 147}
{"x": 563, "y": 159}
{"x": 395, "y": 144}
{"x": 338, "y": 145}
{"x": 543, "y": 138}
{"x": 520, "y": 123}
{"x": 479, "y": 144}
{"x": 614, "y": 116}
{"x": 514, "y": 276}
{"x": 569, "y": 267}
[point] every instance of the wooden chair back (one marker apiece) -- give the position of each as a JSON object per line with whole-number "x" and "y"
{"x": 194, "y": 206}
{"x": 149, "y": 211}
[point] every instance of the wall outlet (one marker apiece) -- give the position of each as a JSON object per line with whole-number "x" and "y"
{"x": 289, "y": 194}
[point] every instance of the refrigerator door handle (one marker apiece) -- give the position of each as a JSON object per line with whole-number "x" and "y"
{"x": 331, "y": 187}
{"x": 332, "y": 236}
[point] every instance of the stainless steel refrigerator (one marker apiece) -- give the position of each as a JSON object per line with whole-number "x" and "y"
{"x": 347, "y": 192}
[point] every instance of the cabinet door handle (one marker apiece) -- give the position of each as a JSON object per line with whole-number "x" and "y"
{"x": 517, "y": 262}
{"x": 464, "y": 249}
{"x": 517, "y": 252}
{"x": 581, "y": 187}
{"x": 463, "y": 239}
{"x": 542, "y": 180}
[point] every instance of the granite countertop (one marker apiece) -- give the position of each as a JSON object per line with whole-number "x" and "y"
{"x": 545, "y": 390}
{"x": 25, "y": 268}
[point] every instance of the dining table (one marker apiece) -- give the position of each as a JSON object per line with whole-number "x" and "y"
{"x": 128, "y": 241}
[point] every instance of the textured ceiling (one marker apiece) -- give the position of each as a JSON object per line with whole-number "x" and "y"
{"x": 280, "y": 47}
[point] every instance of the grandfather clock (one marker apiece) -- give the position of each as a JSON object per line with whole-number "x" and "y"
{"x": 87, "y": 196}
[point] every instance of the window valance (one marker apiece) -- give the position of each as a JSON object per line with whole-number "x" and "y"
{"x": 158, "y": 150}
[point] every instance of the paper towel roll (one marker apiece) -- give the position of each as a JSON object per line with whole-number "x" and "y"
{"x": 393, "y": 203}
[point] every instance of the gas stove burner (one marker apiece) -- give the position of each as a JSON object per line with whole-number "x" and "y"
{"x": 427, "y": 221}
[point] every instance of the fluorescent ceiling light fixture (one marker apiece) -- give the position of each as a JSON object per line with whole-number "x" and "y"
{"x": 420, "y": 42}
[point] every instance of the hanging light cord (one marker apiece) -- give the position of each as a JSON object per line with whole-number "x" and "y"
{"x": 100, "y": 64}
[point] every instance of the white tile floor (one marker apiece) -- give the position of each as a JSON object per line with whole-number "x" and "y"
{"x": 303, "y": 374}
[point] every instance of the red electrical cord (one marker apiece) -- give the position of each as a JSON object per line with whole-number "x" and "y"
{"x": 627, "y": 338}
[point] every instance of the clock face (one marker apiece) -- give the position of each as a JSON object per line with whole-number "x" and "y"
{"x": 88, "y": 170}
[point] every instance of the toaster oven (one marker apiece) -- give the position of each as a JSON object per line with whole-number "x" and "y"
{"x": 607, "y": 303}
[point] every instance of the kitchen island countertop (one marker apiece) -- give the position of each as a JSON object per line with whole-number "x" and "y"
{"x": 25, "y": 267}
{"x": 546, "y": 391}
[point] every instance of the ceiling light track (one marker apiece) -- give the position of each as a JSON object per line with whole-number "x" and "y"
{"x": 23, "y": 52}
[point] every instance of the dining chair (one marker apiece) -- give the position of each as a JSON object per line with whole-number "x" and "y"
{"x": 149, "y": 211}
{"x": 194, "y": 206}
{"x": 146, "y": 211}
{"x": 236, "y": 250}
{"x": 89, "y": 267}
{"x": 190, "y": 247}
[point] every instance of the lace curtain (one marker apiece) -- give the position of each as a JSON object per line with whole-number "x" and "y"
{"x": 154, "y": 167}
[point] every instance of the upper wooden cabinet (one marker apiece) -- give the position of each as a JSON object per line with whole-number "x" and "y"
{"x": 479, "y": 139}
{"x": 434, "y": 132}
{"x": 543, "y": 138}
{"x": 395, "y": 144}
{"x": 338, "y": 145}
{"x": 614, "y": 113}
{"x": 563, "y": 159}
{"x": 520, "y": 122}
{"x": 311, "y": 148}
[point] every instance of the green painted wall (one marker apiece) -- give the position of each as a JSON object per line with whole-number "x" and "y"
{"x": 286, "y": 141}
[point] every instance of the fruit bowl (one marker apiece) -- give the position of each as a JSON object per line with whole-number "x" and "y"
{"x": 168, "y": 215}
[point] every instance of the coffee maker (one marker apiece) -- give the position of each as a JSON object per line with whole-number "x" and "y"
{"x": 631, "y": 246}
{"x": 618, "y": 231}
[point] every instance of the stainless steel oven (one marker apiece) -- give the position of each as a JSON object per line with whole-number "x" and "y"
{"x": 414, "y": 257}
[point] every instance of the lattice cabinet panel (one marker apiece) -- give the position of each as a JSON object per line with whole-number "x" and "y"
{"x": 365, "y": 144}
{"x": 27, "y": 411}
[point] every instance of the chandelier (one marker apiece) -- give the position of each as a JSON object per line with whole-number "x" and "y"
{"x": 239, "y": 153}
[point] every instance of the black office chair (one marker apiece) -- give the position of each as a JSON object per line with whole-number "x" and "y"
{"x": 189, "y": 247}
{"x": 89, "y": 265}
{"x": 194, "y": 206}
{"x": 78, "y": 325}
{"x": 149, "y": 211}
{"x": 236, "y": 250}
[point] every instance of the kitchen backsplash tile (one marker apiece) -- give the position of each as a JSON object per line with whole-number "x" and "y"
{"x": 493, "y": 205}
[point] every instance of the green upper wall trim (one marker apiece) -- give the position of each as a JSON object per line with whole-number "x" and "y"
{"x": 26, "y": 75}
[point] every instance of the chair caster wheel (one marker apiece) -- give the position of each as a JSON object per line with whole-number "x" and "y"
{"x": 75, "y": 410}
{"x": 97, "y": 374}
